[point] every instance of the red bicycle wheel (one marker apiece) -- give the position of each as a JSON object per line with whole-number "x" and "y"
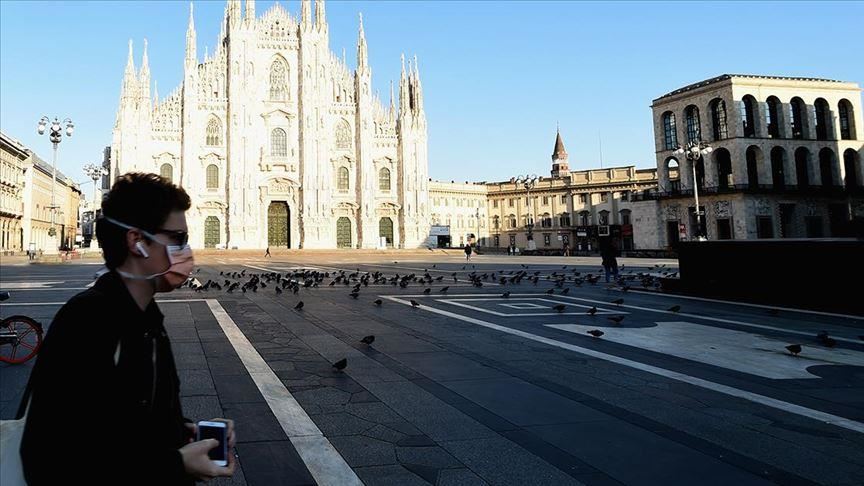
{"x": 20, "y": 339}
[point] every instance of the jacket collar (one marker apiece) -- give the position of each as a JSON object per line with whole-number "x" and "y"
{"x": 111, "y": 284}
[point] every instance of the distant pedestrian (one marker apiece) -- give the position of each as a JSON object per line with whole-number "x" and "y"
{"x": 267, "y": 253}
{"x": 113, "y": 414}
{"x": 609, "y": 254}
{"x": 566, "y": 249}
{"x": 468, "y": 251}
{"x": 509, "y": 250}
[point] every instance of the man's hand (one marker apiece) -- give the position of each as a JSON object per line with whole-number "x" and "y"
{"x": 193, "y": 431}
{"x": 197, "y": 463}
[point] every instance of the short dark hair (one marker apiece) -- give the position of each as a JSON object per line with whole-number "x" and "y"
{"x": 141, "y": 200}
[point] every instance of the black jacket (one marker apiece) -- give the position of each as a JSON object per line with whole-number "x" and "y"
{"x": 97, "y": 422}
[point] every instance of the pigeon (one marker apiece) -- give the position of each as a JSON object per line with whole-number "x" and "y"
{"x": 674, "y": 308}
{"x": 506, "y": 295}
{"x": 341, "y": 364}
{"x": 299, "y": 306}
{"x": 426, "y": 291}
{"x": 616, "y": 319}
{"x": 560, "y": 307}
{"x": 565, "y": 291}
{"x": 414, "y": 303}
{"x": 596, "y": 333}
{"x": 618, "y": 301}
{"x": 794, "y": 349}
{"x": 829, "y": 342}
{"x": 354, "y": 295}
{"x": 444, "y": 290}
{"x": 592, "y": 311}
{"x": 368, "y": 340}
{"x": 278, "y": 290}
{"x": 550, "y": 291}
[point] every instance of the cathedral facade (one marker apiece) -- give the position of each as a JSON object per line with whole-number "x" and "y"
{"x": 278, "y": 142}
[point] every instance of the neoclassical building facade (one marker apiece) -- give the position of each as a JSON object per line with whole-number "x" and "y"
{"x": 278, "y": 142}
{"x": 786, "y": 161}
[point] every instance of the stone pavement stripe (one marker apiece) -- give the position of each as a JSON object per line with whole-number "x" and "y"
{"x": 726, "y": 390}
{"x": 325, "y": 464}
{"x": 746, "y": 304}
{"x": 660, "y": 311}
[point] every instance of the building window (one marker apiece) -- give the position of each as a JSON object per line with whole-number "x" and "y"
{"x": 604, "y": 197}
{"x": 564, "y": 220}
{"x": 212, "y": 176}
{"x": 278, "y": 86}
{"x": 563, "y": 198}
{"x": 847, "y": 120}
{"x": 513, "y": 240}
{"x": 495, "y": 204}
{"x": 547, "y": 239}
{"x": 718, "y": 119}
{"x": 826, "y": 166}
{"x": 724, "y": 229}
{"x": 545, "y": 200}
{"x": 496, "y": 222}
{"x": 343, "y": 135}
{"x": 670, "y": 135}
{"x": 278, "y": 143}
{"x": 774, "y": 118}
{"x": 497, "y": 241}
{"x": 166, "y": 172}
{"x": 849, "y": 162}
{"x": 691, "y": 115}
{"x": 342, "y": 180}
{"x": 211, "y": 232}
{"x": 625, "y": 216}
{"x": 546, "y": 222}
{"x": 584, "y": 218}
{"x": 214, "y": 132}
{"x": 753, "y": 156}
{"x": 384, "y": 179}
{"x": 748, "y": 116}
{"x": 802, "y": 167}
{"x": 603, "y": 218}
{"x": 583, "y": 199}
{"x": 764, "y": 227}
{"x": 799, "y": 111}
{"x": 822, "y": 114}
{"x": 511, "y": 202}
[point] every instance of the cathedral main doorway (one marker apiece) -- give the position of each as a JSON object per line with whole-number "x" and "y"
{"x": 279, "y": 225}
{"x": 385, "y": 229}
{"x": 343, "y": 233}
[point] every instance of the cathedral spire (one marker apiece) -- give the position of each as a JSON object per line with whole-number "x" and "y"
{"x": 250, "y": 10}
{"x": 191, "y": 39}
{"x": 362, "y": 54}
{"x": 232, "y": 12}
{"x": 155, "y": 93}
{"x": 558, "y": 153}
{"x": 320, "y": 15}
{"x": 144, "y": 76}
{"x": 305, "y": 13}
{"x": 130, "y": 83}
{"x": 392, "y": 102}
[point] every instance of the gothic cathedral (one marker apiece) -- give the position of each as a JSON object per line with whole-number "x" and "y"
{"x": 277, "y": 142}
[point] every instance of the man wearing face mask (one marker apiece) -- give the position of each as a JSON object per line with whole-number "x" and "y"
{"x": 104, "y": 404}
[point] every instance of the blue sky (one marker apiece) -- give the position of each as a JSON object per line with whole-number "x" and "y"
{"x": 497, "y": 76}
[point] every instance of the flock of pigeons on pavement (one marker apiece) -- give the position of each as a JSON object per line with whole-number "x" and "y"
{"x": 293, "y": 281}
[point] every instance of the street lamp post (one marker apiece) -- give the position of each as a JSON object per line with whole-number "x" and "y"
{"x": 56, "y": 135}
{"x": 694, "y": 151}
{"x": 94, "y": 172}
{"x": 477, "y": 239}
{"x": 529, "y": 181}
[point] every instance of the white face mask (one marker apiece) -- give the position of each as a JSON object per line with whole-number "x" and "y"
{"x": 180, "y": 259}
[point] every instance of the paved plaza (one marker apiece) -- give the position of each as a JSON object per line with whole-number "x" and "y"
{"x": 464, "y": 385}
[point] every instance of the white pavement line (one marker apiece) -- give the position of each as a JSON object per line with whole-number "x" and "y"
{"x": 503, "y": 301}
{"x": 324, "y": 462}
{"x": 47, "y": 288}
{"x": 707, "y": 318}
{"x": 674, "y": 375}
{"x": 747, "y": 304}
{"x": 30, "y": 303}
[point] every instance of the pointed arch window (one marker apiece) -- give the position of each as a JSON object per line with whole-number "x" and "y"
{"x": 278, "y": 143}
{"x": 343, "y": 135}
{"x": 214, "y": 132}
{"x": 799, "y": 111}
{"x": 773, "y": 117}
{"x": 822, "y": 114}
{"x": 691, "y": 115}
{"x": 212, "y": 176}
{"x": 342, "y": 181}
{"x": 670, "y": 134}
{"x": 384, "y": 179}
{"x": 748, "y": 116}
{"x": 278, "y": 84}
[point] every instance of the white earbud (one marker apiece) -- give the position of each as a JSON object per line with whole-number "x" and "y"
{"x": 142, "y": 249}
